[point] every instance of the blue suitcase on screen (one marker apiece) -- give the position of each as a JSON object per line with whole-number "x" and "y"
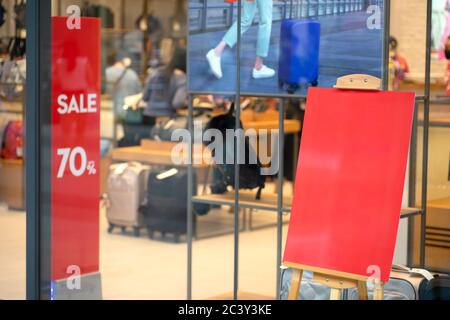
{"x": 299, "y": 54}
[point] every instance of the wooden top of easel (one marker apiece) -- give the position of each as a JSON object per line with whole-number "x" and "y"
{"x": 359, "y": 82}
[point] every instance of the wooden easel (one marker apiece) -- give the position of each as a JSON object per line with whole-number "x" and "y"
{"x": 339, "y": 281}
{"x": 336, "y": 281}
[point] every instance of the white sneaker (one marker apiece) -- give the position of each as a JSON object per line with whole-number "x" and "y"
{"x": 214, "y": 64}
{"x": 264, "y": 72}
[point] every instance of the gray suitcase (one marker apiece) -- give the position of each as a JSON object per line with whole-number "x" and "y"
{"x": 404, "y": 284}
{"x": 127, "y": 189}
{"x": 309, "y": 290}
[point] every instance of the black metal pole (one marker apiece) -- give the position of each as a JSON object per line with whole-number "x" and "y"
{"x": 291, "y": 13}
{"x": 280, "y": 204}
{"x": 37, "y": 150}
{"x": 190, "y": 212}
{"x": 204, "y": 15}
{"x": 237, "y": 156}
{"x": 190, "y": 191}
{"x": 412, "y": 203}
{"x": 426, "y": 131}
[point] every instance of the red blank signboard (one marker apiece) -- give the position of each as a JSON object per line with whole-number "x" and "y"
{"x": 350, "y": 181}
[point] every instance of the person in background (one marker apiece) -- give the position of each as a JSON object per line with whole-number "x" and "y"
{"x": 133, "y": 44}
{"x": 250, "y": 7}
{"x": 155, "y": 35}
{"x": 122, "y": 81}
{"x": 447, "y": 74}
{"x": 166, "y": 88}
{"x": 439, "y": 17}
{"x": 399, "y": 67}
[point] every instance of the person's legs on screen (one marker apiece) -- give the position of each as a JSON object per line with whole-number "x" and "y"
{"x": 230, "y": 38}
{"x": 265, "y": 8}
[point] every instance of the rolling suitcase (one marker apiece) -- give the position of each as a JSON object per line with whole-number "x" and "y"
{"x": 309, "y": 290}
{"x": 165, "y": 210}
{"x": 404, "y": 284}
{"x": 437, "y": 288}
{"x": 299, "y": 54}
{"x": 127, "y": 187}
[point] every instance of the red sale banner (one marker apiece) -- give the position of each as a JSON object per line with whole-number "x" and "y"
{"x": 75, "y": 136}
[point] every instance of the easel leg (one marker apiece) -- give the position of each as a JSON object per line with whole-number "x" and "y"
{"x": 378, "y": 293}
{"x": 295, "y": 284}
{"x": 362, "y": 291}
{"x": 336, "y": 294}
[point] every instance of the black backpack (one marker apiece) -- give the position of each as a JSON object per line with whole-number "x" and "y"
{"x": 100, "y": 11}
{"x": 435, "y": 289}
{"x": 2, "y": 14}
{"x": 250, "y": 176}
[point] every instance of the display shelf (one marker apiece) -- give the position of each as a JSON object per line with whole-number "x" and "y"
{"x": 247, "y": 200}
{"x": 410, "y": 213}
{"x": 269, "y": 202}
{"x": 11, "y": 107}
{"x": 290, "y": 126}
{"x": 18, "y": 162}
{"x": 160, "y": 155}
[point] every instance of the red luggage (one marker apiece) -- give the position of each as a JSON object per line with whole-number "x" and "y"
{"x": 13, "y": 141}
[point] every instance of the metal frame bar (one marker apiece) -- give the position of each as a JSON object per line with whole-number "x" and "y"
{"x": 190, "y": 212}
{"x": 38, "y": 159}
{"x": 426, "y": 131}
{"x": 237, "y": 155}
{"x": 280, "y": 212}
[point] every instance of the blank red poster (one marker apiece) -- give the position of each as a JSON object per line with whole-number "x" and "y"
{"x": 350, "y": 181}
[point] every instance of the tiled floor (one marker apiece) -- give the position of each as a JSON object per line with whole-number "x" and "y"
{"x": 137, "y": 268}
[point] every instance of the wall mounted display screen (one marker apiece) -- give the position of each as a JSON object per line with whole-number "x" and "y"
{"x": 286, "y": 45}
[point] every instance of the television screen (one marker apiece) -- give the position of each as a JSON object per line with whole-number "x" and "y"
{"x": 286, "y": 45}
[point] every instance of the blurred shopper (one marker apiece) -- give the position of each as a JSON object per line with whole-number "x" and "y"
{"x": 447, "y": 74}
{"x": 249, "y": 9}
{"x": 133, "y": 44}
{"x": 166, "y": 88}
{"x": 399, "y": 67}
{"x": 439, "y": 23}
{"x": 122, "y": 81}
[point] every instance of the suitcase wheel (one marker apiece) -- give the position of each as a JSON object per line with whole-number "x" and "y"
{"x": 123, "y": 229}
{"x": 111, "y": 228}
{"x": 315, "y": 83}
{"x": 136, "y": 232}
{"x": 292, "y": 88}
{"x": 151, "y": 234}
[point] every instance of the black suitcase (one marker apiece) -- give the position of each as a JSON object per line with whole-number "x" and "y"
{"x": 166, "y": 207}
{"x": 435, "y": 289}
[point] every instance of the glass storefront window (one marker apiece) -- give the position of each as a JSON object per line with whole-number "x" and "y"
{"x": 114, "y": 200}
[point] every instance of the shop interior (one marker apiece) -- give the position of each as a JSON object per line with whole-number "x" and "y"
{"x": 143, "y": 59}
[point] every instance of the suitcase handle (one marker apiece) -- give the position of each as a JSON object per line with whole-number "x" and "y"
{"x": 121, "y": 168}
{"x": 424, "y": 273}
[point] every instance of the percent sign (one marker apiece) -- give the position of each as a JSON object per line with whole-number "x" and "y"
{"x": 69, "y": 157}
